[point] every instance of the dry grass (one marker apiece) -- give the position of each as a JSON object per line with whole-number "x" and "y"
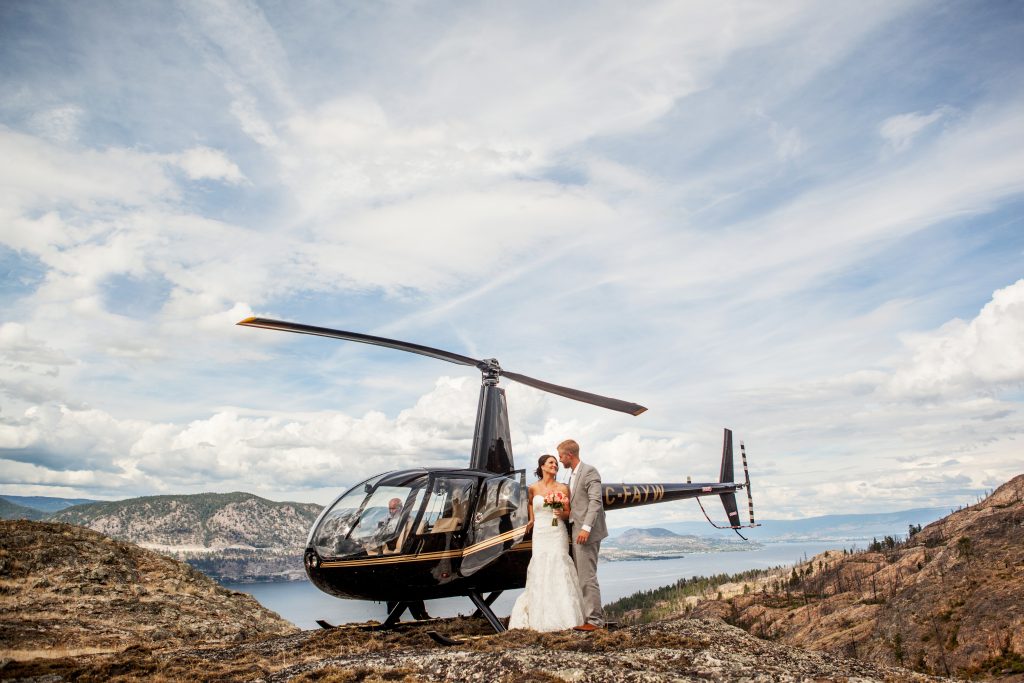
{"x": 332, "y": 674}
{"x": 54, "y": 653}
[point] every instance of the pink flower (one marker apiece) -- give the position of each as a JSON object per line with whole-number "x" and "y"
{"x": 556, "y": 500}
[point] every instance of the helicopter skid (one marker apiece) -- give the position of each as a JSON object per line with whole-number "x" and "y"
{"x": 444, "y": 640}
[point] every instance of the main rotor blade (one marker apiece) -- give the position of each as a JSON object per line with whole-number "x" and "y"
{"x": 594, "y": 399}
{"x": 364, "y": 338}
{"x": 575, "y": 394}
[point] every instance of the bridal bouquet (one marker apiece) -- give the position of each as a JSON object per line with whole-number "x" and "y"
{"x": 555, "y": 500}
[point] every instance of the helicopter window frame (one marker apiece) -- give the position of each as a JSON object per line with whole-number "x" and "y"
{"x": 505, "y": 488}
{"x": 501, "y": 512}
{"x": 328, "y": 509}
{"x": 437, "y": 505}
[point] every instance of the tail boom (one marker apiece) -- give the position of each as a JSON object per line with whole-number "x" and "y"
{"x": 620, "y": 496}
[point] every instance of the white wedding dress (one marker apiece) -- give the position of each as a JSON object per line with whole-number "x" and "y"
{"x": 552, "y": 600}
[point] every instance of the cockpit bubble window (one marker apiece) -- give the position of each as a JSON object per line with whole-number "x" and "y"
{"x": 369, "y": 518}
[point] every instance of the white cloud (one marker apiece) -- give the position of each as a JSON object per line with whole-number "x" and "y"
{"x": 39, "y": 176}
{"x": 16, "y": 346}
{"x": 201, "y": 163}
{"x": 968, "y": 170}
{"x": 239, "y": 36}
{"x": 899, "y": 131}
{"x": 58, "y": 124}
{"x": 61, "y": 438}
{"x": 982, "y": 355}
{"x": 229, "y": 450}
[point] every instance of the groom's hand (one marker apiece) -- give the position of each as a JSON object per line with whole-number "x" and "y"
{"x": 582, "y": 537}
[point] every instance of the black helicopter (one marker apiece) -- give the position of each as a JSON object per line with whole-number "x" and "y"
{"x": 407, "y": 536}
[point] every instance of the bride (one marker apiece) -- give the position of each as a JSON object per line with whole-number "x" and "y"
{"x": 552, "y": 600}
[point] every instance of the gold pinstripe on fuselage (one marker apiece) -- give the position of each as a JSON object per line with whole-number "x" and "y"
{"x": 436, "y": 555}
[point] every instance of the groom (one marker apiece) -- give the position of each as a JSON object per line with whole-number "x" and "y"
{"x": 587, "y": 517}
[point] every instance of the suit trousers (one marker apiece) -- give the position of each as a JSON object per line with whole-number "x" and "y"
{"x": 585, "y": 558}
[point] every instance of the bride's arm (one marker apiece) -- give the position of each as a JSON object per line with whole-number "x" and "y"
{"x": 529, "y": 492}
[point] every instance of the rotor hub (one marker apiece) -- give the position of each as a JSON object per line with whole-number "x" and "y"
{"x": 491, "y": 371}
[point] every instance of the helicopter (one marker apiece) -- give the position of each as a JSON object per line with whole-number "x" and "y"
{"x": 407, "y": 536}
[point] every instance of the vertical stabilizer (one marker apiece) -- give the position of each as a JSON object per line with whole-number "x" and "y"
{"x": 726, "y": 476}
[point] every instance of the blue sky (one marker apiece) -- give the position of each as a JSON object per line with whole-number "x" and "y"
{"x": 799, "y": 220}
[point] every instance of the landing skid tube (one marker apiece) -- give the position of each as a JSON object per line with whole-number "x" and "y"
{"x": 489, "y": 601}
{"x": 483, "y": 608}
{"x": 419, "y": 612}
{"x": 395, "y": 611}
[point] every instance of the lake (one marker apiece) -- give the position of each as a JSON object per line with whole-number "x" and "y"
{"x": 302, "y": 604}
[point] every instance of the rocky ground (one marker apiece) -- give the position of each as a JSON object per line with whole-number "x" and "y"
{"x": 66, "y": 590}
{"x": 671, "y": 650}
{"x": 79, "y": 606}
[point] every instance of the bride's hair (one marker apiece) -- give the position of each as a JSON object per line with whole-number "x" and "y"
{"x": 540, "y": 463}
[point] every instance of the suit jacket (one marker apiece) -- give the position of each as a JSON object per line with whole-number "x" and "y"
{"x": 586, "y": 503}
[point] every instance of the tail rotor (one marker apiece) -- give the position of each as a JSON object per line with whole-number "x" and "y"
{"x": 729, "y": 498}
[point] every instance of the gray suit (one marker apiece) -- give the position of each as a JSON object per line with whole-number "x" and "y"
{"x": 585, "y": 501}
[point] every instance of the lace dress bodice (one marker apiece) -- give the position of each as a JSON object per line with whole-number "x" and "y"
{"x": 542, "y": 520}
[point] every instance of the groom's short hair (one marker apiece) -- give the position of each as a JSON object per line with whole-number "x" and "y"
{"x": 570, "y": 447}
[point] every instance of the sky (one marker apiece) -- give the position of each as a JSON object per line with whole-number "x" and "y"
{"x": 799, "y": 220}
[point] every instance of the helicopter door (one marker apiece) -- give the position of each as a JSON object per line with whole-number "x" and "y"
{"x": 499, "y": 521}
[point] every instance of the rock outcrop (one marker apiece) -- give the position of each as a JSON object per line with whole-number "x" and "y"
{"x": 949, "y": 600}
{"x": 66, "y": 590}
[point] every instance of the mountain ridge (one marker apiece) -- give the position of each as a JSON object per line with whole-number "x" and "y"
{"x": 234, "y": 536}
{"x": 46, "y": 503}
{"x": 11, "y": 510}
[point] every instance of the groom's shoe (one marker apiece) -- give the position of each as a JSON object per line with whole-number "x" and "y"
{"x": 586, "y": 627}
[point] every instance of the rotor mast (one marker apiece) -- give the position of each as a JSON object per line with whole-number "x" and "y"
{"x": 492, "y": 440}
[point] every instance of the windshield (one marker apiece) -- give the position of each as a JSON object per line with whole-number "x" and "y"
{"x": 368, "y": 518}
